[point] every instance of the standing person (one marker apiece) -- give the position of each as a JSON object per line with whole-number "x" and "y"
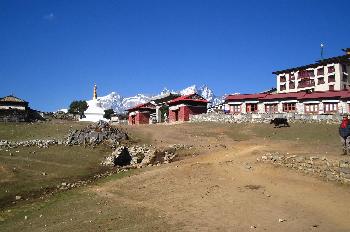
{"x": 344, "y": 132}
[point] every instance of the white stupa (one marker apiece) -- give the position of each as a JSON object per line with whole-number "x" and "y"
{"x": 94, "y": 112}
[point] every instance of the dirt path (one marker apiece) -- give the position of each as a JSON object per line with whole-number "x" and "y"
{"x": 228, "y": 191}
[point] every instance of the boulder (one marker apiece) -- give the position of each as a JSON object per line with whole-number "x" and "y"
{"x": 95, "y": 134}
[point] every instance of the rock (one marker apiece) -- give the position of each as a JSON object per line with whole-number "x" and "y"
{"x": 95, "y": 134}
{"x": 18, "y": 198}
{"x": 345, "y": 170}
{"x": 139, "y": 156}
{"x": 282, "y": 220}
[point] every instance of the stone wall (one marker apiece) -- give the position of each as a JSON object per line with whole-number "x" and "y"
{"x": 41, "y": 143}
{"x": 264, "y": 118}
{"x": 332, "y": 170}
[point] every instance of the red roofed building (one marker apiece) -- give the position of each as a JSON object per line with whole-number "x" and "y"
{"x": 182, "y": 107}
{"x": 329, "y": 102}
{"x": 141, "y": 114}
{"x": 244, "y": 103}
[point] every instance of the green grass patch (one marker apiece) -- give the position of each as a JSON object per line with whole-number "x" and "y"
{"x": 22, "y": 173}
{"x": 40, "y": 130}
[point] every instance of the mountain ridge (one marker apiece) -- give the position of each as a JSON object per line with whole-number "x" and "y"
{"x": 119, "y": 103}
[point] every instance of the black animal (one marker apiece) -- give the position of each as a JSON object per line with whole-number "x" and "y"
{"x": 279, "y": 121}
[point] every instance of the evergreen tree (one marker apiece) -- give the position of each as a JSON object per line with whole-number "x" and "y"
{"x": 108, "y": 113}
{"x": 78, "y": 107}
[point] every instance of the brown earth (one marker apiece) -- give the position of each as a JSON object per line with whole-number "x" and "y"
{"x": 216, "y": 186}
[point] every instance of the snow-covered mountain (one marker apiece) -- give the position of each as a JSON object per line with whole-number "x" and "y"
{"x": 119, "y": 103}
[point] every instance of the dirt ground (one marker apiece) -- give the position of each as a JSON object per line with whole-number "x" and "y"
{"x": 216, "y": 186}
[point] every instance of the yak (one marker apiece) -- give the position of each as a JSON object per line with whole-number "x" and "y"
{"x": 279, "y": 121}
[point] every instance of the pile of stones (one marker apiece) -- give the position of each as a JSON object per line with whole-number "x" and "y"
{"x": 140, "y": 156}
{"x": 41, "y": 143}
{"x": 62, "y": 116}
{"x": 332, "y": 170}
{"x": 95, "y": 134}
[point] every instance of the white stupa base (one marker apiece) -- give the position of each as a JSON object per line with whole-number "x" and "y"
{"x": 94, "y": 112}
{"x": 93, "y": 118}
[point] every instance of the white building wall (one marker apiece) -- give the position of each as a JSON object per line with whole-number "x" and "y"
{"x": 12, "y": 107}
{"x": 261, "y": 107}
{"x": 338, "y": 84}
{"x": 243, "y": 108}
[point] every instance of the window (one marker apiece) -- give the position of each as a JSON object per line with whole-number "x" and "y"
{"x": 311, "y": 108}
{"x": 310, "y": 73}
{"x": 331, "y": 87}
{"x": 251, "y": 107}
{"x": 289, "y": 107}
{"x": 291, "y": 76}
{"x": 344, "y": 68}
{"x": 292, "y": 85}
{"x": 320, "y": 71}
{"x": 235, "y": 109}
{"x": 271, "y": 108}
{"x": 303, "y": 74}
{"x": 330, "y": 107}
{"x": 282, "y": 87}
{"x": 331, "y": 69}
{"x": 345, "y": 78}
{"x": 283, "y": 78}
{"x": 331, "y": 78}
{"x": 306, "y": 83}
{"x": 320, "y": 80}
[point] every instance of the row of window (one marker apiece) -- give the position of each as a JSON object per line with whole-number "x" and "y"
{"x": 309, "y": 73}
{"x": 286, "y": 107}
{"x": 307, "y": 83}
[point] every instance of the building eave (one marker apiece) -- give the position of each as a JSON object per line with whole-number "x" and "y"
{"x": 336, "y": 59}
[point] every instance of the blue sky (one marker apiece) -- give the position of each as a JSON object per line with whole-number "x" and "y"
{"x": 51, "y": 52}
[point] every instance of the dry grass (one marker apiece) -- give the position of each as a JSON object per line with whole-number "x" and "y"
{"x": 40, "y": 130}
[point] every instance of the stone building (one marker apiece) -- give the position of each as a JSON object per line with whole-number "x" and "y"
{"x": 14, "y": 109}
{"x": 181, "y": 108}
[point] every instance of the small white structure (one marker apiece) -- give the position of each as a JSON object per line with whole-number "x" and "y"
{"x": 94, "y": 112}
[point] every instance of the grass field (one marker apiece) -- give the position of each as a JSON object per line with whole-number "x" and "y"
{"x": 42, "y": 130}
{"x": 22, "y": 173}
{"x": 174, "y": 197}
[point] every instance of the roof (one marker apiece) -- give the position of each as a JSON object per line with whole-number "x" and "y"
{"x": 146, "y": 105}
{"x": 328, "y": 94}
{"x": 189, "y": 98}
{"x": 11, "y": 98}
{"x": 276, "y": 96}
{"x": 336, "y": 59}
{"x": 164, "y": 97}
{"x": 240, "y": 97}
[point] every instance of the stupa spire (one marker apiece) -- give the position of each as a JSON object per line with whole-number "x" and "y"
{"x": 95, "y": 92}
